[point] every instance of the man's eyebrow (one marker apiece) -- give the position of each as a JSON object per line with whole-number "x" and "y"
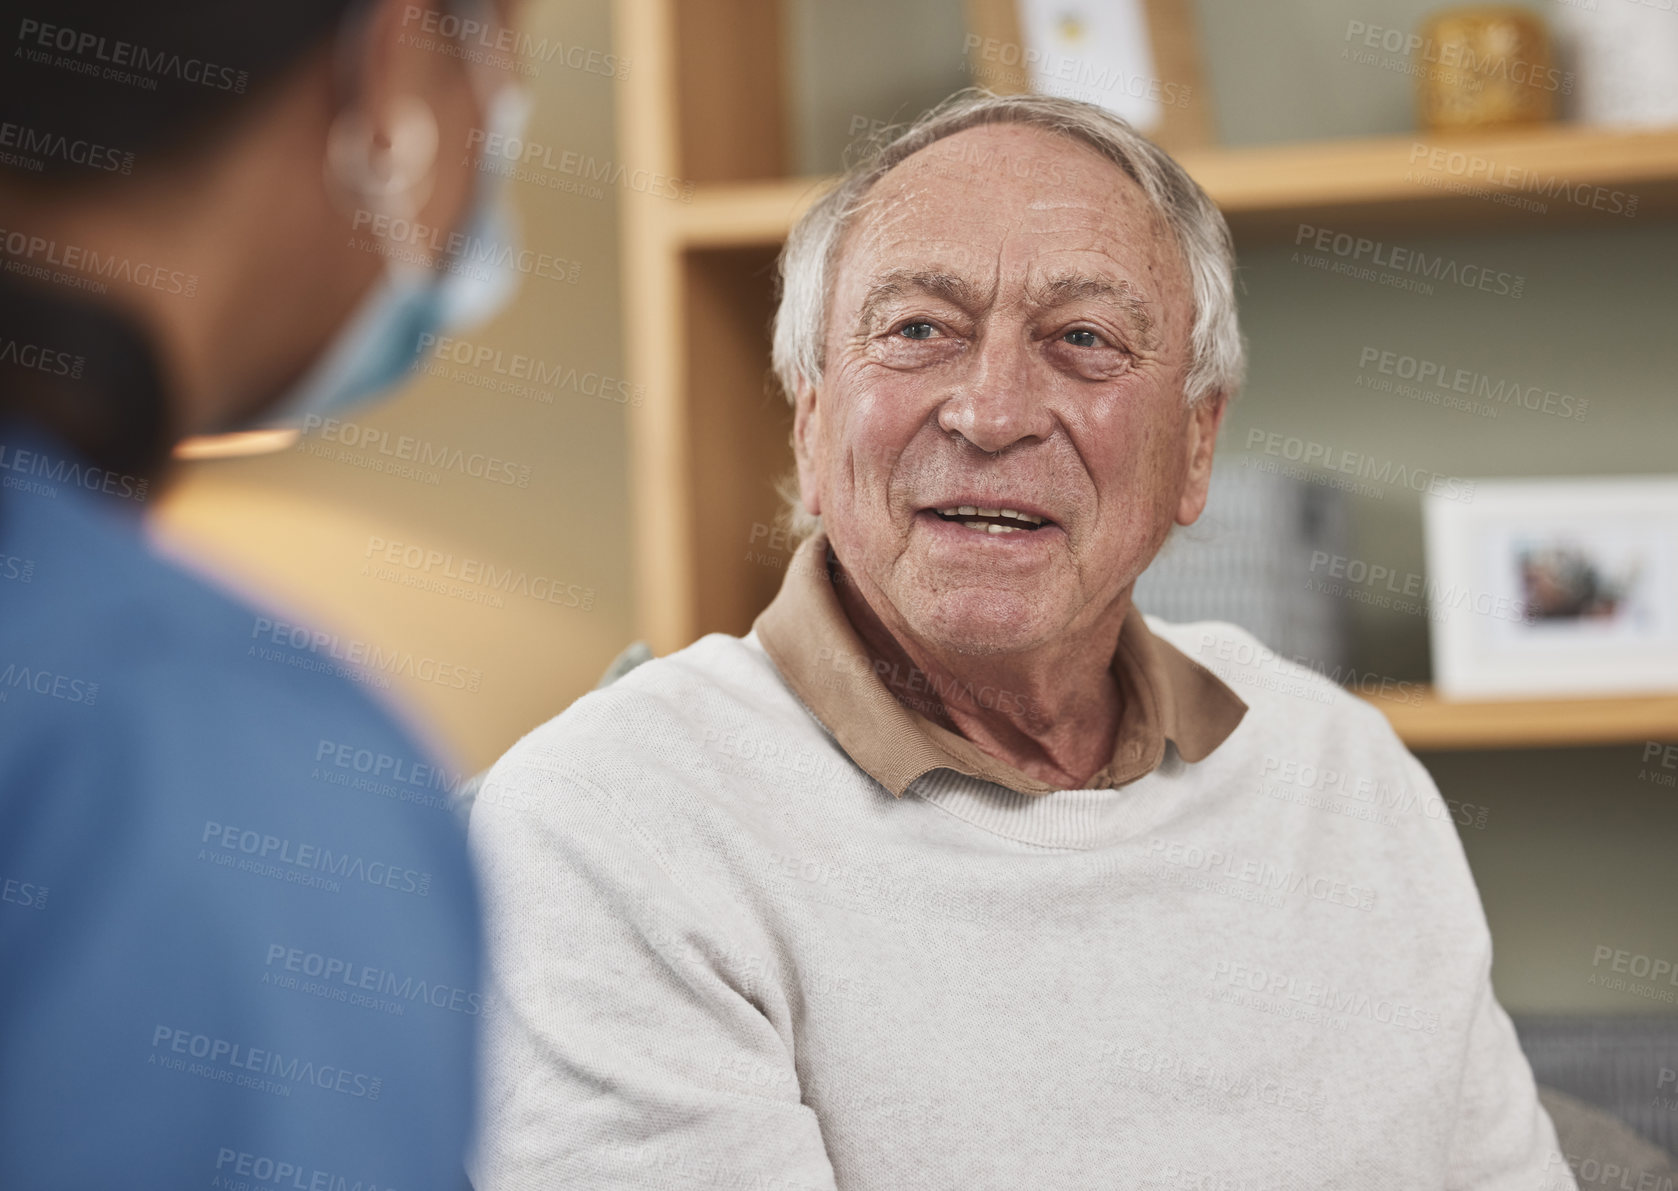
{"x": 1060, "y": 291}
{"x": 940, "y": 284}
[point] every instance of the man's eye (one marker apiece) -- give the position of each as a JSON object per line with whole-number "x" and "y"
{"x": 1082, "y": 338}
{"x": 917, "y": 331}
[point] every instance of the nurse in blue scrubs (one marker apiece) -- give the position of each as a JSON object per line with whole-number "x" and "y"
{"x": 219, "y": 967}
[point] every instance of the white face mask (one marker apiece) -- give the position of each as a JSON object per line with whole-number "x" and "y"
{"x": 377, "y": 345}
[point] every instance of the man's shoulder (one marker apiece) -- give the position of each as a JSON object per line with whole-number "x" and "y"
{"x": 1266, "y": 680}
{"x": 1335, "y": 778}
{"x": 672, "y": 761}
{"x": 665, "y": 716}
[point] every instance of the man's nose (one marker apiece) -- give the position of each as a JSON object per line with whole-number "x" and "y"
{"x": 1000, "y": 398}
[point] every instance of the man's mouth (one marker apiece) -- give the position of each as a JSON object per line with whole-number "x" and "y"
{"x": 985, "y": 520}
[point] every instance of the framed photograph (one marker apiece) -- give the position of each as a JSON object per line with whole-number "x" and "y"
{"x": 1137, "y": 58}
{"x": 1541, "y": 588}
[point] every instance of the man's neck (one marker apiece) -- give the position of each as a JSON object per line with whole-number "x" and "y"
{"x": 1052, "y": 714}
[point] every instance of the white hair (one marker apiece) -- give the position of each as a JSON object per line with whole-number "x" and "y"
{"x": 1217, "y": 357}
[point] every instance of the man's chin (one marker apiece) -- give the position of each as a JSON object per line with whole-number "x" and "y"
{"x": 980, "y": 623}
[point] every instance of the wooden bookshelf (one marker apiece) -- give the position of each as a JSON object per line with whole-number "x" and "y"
{"x": 1267, "y": 192}
{"x": 1579, "y": 175}
{"x": 705, "y": 102}
{"x": 1444, "y": 724}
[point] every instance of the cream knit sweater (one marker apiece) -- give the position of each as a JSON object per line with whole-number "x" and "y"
{"x": 724, "y": 957}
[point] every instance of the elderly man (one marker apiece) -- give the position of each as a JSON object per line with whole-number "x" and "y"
{"x": 957, "y": 871}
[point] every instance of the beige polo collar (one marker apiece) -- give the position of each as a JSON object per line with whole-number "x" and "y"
{"x": 1165, "y": 694}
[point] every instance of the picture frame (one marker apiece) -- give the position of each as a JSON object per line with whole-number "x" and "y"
{"x": 1554, "y": 587}
{"x": 1016, "y": 46}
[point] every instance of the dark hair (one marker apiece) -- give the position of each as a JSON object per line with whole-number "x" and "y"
{"x": 86, "y": 373}
{"x": 89, "y": 85}
{"x": 92, "y": 91}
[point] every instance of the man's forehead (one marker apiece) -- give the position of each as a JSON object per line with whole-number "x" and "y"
{"x": 949, "y": 200}
{"x": 1045, "y": 267}
{"x": 1021, "y": 152}
{"x": 1018, "y": 163}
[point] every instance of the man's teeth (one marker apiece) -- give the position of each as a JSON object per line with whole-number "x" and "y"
{"x": 1025, "y": 519}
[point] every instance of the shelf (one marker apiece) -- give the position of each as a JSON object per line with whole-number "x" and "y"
{"x": 1267, "y": 191}
{"x": 1443, "y": 724}
{"x": 743, "y": 214}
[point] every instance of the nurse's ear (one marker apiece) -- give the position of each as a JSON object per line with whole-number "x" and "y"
{"x": 408, "y": 95}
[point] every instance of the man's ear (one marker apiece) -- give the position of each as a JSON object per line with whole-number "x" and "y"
{"x": 1199, "y": 439}
{"x": 807, "y": 445}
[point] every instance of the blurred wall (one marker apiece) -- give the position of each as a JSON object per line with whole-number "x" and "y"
{"x": 313, "y": 533}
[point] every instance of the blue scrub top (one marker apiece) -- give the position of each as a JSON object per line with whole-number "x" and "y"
{"x": 239, "y": 938}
